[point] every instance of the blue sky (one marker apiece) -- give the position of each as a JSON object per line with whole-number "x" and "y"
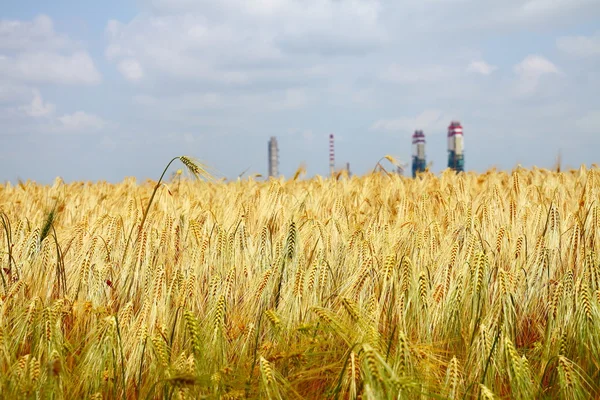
{"x": 105, "y": 90}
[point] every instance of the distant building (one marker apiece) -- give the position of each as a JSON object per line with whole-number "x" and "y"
{"x": 273, "y": 157}
{"x": 418, "y": 158}
{"x": 456, "y": 156}
{"x": 331, "y": 155}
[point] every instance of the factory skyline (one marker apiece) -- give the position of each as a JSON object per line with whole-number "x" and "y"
{"x": 455, "y": 143}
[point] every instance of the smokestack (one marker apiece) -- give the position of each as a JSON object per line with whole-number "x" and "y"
{"x": 456, "y": 156}
{"x": 331, "y": 155}
{"x": 418, "y": 157}
{"x": 273, "y": 157}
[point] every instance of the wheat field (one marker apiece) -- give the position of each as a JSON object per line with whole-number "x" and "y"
{"x": 376, "y": 287}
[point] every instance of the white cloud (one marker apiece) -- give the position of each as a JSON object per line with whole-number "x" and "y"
{"x": 131, "y": 69}
{"x": 185, "y": 47}
{"x": 535, "y": 65}
{"x": 329, "y": 27}
{"x": 38, "y": 107}
{"x": 44, "y": 67}
{"x": 81, "y": 122}
{"x": 481, "y": 67}
{"x": 33, "y": 52}
{"x": 580, "y": 46}
{"x": 428, "y": 120}
{"x": 39, "y": 116}
{"x": 352, "y": 19}
{"x": 531, "y": 70}
{"x": 235, "y": 42}
{"x": 37, "y": 34}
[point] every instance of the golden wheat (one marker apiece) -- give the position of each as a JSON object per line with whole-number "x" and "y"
{"x": 449, "y": 286}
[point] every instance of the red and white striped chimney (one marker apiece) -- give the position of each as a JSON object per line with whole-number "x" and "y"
{"x": 331, "y": 155}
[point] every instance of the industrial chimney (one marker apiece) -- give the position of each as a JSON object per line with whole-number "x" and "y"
{"x": 331, "y": 155}
{"x": 456, "y": 156}
{"x": 418, "y": 158}
{"x": 273, "y": 157}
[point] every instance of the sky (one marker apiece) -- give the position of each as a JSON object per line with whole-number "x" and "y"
{"x": 112, "y": 89}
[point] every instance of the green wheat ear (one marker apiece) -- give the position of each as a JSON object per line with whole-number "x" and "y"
{"x": 50, "y": 217}
{"x": 195, "y": 167}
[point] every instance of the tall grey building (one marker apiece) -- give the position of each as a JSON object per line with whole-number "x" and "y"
{"x": 273, "y": 157}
